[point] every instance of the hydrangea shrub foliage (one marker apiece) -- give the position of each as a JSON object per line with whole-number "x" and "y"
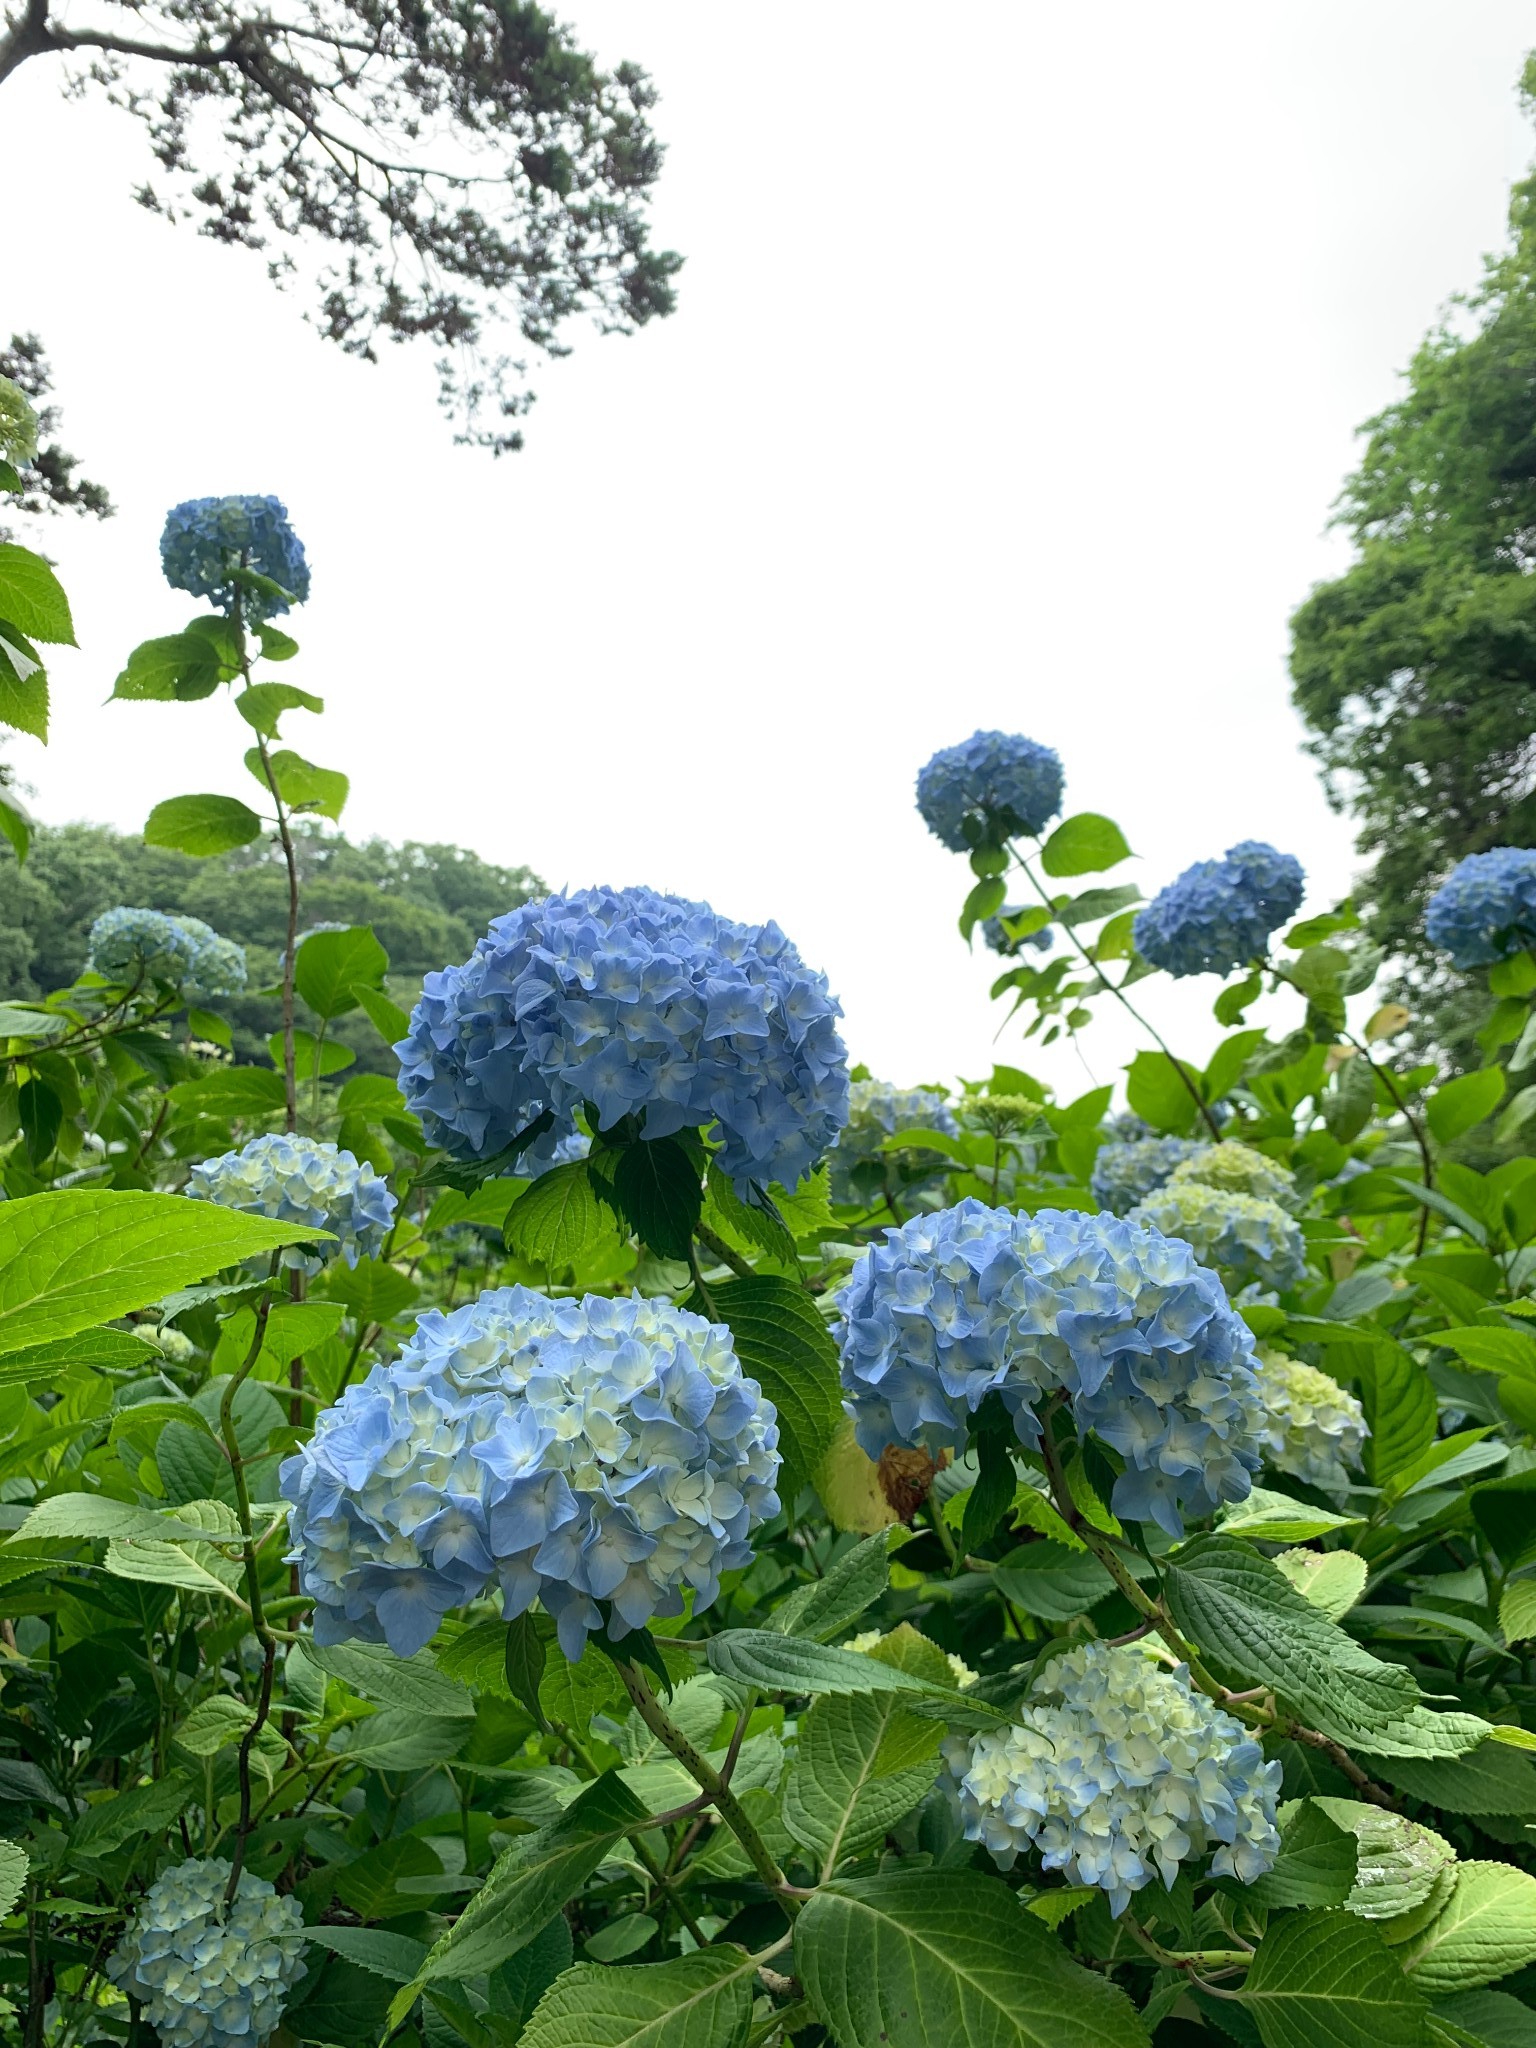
{"x": 604, "y": 1528}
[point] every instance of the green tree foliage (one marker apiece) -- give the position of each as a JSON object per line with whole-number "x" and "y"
{"x": 428, "y": 905}
{"x": 1416, "y": 669}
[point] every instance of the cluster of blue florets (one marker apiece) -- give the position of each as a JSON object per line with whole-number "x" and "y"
{"x": 1127, "y": 1170}
{"x": 1219, "y": 914}
{"x": 1485, "y": 911}
{"x": 995, "y": 931}
{"x": 211, "y": 1975}
{"x": 1249, "y": 1240}
{"x": 1313, "y": 1428}
{"x": 971, "y": 1300}
{"x": 640, "y": 1004}
{"x": 877, "y": 1111}
{"x": 147, "y": 947}
{"x": 207, "y": 537}
{"x": 1119, "y": 1772}
{"x": 576, "y": 1451}
{"x": 988, "y": 789}
{"x": 302, "y": 1180}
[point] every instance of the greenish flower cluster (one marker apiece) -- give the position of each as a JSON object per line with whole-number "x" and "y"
{"x": 1237, "y": 1169}
{"x": 1313, "y": 1428}
{"x": 1247, "y": 1240}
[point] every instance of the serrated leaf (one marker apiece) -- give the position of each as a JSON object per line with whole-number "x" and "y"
{"x": 1083, "y": 845}
{"x": 231, "y": 1092}
{"x": 378, "y": 1674}
{"x": 13, "y": 1874}
{"x": 1399, "y": 1860}
{"x": 1267, "y": 1517}
{"x": 23, "y": 689}
{"x": 703, "y": 2000}
{"x": 661, "y": 1195}
{"x": 403, "y": 1739}
{"x": 141, "y": 1810}
{"x": 32, "y": 597}
{"x": 301, "y": 785}
{"x": 791, "y": 1664}
{"x": 1457, "y": 1105}
{"x": 1488, "y": 2019}
{"x": 1316, "y": 1865}
{"x": 1488, "y": 1348}
{"x": 1399, "y": 1403}
{"x": 786, "y": 1347}
{"x": 514, "y": 1989}
{"x": 861, "y": 1765}
{"x": 113, "y": 1350}
{"x": 828, "y": 1606}
{"x": 1327, "y": 1980}
{"x": 1332, "y": 1580}
{"x": 263, "y": 704}
{"x": 393, "y": 1956}
{"x": 373, "y": 1290}
{"x": 1517, "y": 1610}
{"x": 1493, "y": 1778}
{"x": 914, "y": 1959}
{"x": 214, "y": 1724}
{"x": 179, "y": 667}
{"x": 559, "y": 1220}
{"x": 330, "y": 967}
{"x": 1052, "y": 1582}
{"x": 202, "y": 825}
{"x": 76, "y": 1257}
{"x": 1486, "y": 1929}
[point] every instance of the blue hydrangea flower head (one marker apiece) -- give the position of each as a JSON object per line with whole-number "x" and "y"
{"x": 210, "y": 1975}
{"x": 1140, "y": 1337}
{"x": 301, "y": 1180}
{"x": 1119, "y": 1772}
{"x": 1313, "y": 1428}
{"x": 877, "y": 1111}
{"x": 218, "y": 965}
{"x": 206, "y": 537}
{"x": 1128, "y": 1169}
{"x": 1249, "y": 1240}
{"x": 143, "y": 946}
{"x": 1239, "y": 1170}
{"x": 639, "y": 1004}
{"x": 1219, "y": 914}
{"x": 580, "y": 1452}
{"x": 1485, "y": 911}
{"x": 989, "y": 788}
{"x": 996, "y": 936}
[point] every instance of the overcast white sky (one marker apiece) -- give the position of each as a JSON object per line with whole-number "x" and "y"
{"x": 1017, "y": 365}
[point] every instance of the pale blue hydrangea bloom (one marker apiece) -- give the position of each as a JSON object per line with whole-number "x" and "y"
{"x": 639, "y": 1004}
{"x": 1313, "y": 1428}
{"x": 1117, "y": 1773}
{"x": 577, "y": 1451}
{"x": 1247, "y": 1239}
{"x": 877, "y": 1111}
{"x": 969, "y": 1301}
{"x": 1126, "y": 1170}
{"x": 991, "y": 787}
{"x": 1219, "y": 913}
{"x": 218, "y": 964}
{"x": 1239, "y": 1170}
{"x": 210, "y": 1975}
{"x": 1485, "y": 911}
{"x": 205, "y": 538}
{"x": 302, "y": 1180}
{"x": 997, "y": 938}
{"x": 144, "y": 946}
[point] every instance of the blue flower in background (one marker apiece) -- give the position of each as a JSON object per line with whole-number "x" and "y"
{"x": 128, "y": 946}
{"x": 1140, "y": 1337}
{"x": 1126, "y": 1170}
{"x": 210, "y": 1975}
{"x": 1219, "y": 914}
{"x": 577, "y": 1451}
{"x": 1117, "y": 1773}
{"x": 989, "y": 788}
{"x": 206, "y": 537}
{"x": 1248, "y": 1239}
{"x": 877, "y": 1111}
{"x": 640, "y": 1004}
{"x": 1485, "y": 911}
{"x": 301, "y": 1180}
{"x": 218, "y": 964}
{"x": 1313, "y": 1428}
{"x": 997, "y": 938}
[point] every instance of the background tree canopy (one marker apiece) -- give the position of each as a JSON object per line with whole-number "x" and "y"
{"x": 459, "y": 166}
{"x": 428, "y": 905}
{"x": 1416, "y": 669}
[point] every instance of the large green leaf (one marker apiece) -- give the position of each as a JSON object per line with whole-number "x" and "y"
{"x": 528, "y": 1883}
{"x": 1493, "y": 1348}
{"x": 81, "y": 1256}
{"x": 1457, "y": 1105}
{"x": 559, "y": 1220}
{"x": 658, "y": 1188}
{"x": 930, "y": 1959}
{"x": 861, "y": 1764}
{"x": 1326, "y": 1980}
{"x": 1052, "y": 1582}
{"x": 114, "y": 1349}
{"x": 202, "y": 825}
{"x": 1493, "y": 1779}
{"x": 231, "y": 1092}
{"x": 300, "y": 784}
{"x": 263, "y": 704}
{"x": 1083, "y": 845}
{"x": 330, "y": 966}
{"x": 23, "y": 686}
{"x": 515, "y": 1987}
{"x": 1486, "y": 1929}
{"x": 1399, "y": 1404}
{"x": 32, "y": 597}
{"x": 393, "y": 1956}
{"x": 181, "y": 666}
{"x": 786, "y": 1347}
{"x": 791, "y": 1664}
{"x": 377, "y": 1674}
{"x": 827, "y": 1606}
{"x": 1399, "y": 1863}
{"x": 1158, "y": 1096}
{"x": 1316, "y": 1864}
{"x": 703, "y": 2000}
{"x": 1267, "y": 1517}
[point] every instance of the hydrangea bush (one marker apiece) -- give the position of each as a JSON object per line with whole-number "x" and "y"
{"x": 610, "y": 1538}
{"x": 644, "y": 1005}
{"x": 211, "y": 1974}
{"x": 1117, "y": 1774}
